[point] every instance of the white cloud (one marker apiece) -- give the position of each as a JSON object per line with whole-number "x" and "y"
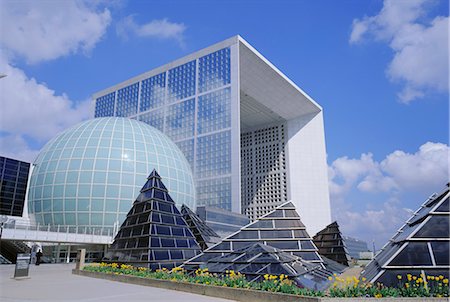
{"x": 426, "y": 169}
{"x": 32, "y": 110}
{"x": 163, "y": 29}
{"x": 344, "y": 172}
{"x": 421, "y": 171}
{"x": 15, "y": 146}
{"x": 420, "y": 48}
{"x": 402, "y": 176}
{"x": 372, "y": 224}
{"x": 45, "y": 30}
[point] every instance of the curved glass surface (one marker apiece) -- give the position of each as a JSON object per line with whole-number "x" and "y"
{"x": 90, "y": 174}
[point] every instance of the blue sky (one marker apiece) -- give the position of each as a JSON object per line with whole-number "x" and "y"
{"x": 378, "y": 68}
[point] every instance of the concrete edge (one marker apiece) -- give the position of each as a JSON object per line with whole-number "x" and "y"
{"x": 237, "y": 294}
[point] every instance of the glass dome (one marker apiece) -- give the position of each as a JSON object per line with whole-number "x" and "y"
{"x": 90, "y": 174}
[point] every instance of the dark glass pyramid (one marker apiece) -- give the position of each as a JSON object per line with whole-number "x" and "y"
{"x": 421, "y": 245}
{"x": 330, "y": 243}
{"x": 205, "y": 236}
{"x": 282, "y": 228}
{"x": 154, "y": 234}
{"x": 256, "y": 260}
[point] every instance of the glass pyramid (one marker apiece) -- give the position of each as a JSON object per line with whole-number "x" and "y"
{"x": 421, "y": 245}
{"x": 205, "y": 236}
{"x": 282, "y": 228}
{"x": 330, "y": 243}
{"x": 154, "y": 234}
{"x": 259, "y": 259}
{"x": 333, "y": 266}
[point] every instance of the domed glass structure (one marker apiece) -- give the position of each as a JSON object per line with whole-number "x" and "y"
{"x": 90, "y": 174}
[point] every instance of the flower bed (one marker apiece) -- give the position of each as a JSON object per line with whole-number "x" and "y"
{"x": 351, "y": 287}
{"x": 415, "y": 286}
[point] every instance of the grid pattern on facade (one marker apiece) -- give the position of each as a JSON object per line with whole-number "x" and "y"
{"x": 330, "y": 243}
{"x": 204, "y": 235}
{"x": 181, "y": 83}
{"x": 154, "y": 234}
{"x": 154, "y": 118}
{"x": 259, "y": 259}
{"x": 191, "y": 103}
{"x": 263, "y": 170}
{"x": 104, "y": 105}
{"x": 214, "y": 70}
{"x": 127, "y": 100}
{"x": 153, "y": 92}
{"x": 13, "y": 186}
{"x": 281, "y": 228}
{"x": 91, "y": 173}
{"x": 213, "y": 155}
{"x": 214, "y": 192}
{"x": 214, "y": 111}
{"x": 223, "y": 222}
{"x": 187, "y": 147}
{"x": 421, "y": 245}
{"x": 180, "y": 120}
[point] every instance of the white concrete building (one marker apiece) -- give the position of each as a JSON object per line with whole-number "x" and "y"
{"x": 253, "y": 138}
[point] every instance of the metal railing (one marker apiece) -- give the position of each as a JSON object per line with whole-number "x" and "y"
{"x": 56, "y": 233}
{"x": 75, "y": 229}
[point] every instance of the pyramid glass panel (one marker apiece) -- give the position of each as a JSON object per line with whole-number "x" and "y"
{"x": 330, "y": 243}
{"x": 444, "y": 207}
{"x": 334, "y": 266}
{"x": 205, "y": 236}
{"x": 154, "y": 233}
{"x": 279, "y": 228}
{"x": 421, "y": 246}
{"x": 256, "y": 260}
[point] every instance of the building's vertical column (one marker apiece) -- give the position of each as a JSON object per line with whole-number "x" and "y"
{"x": 235, "y": 129}
{"x": 25, "y": 203}
{"x": 195, "y": 123}
{"x": 138, "y": 109}
{"x": 307, "y": 171}
{"x": 166, "y": 101}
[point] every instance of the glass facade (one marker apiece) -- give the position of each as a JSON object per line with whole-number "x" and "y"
{"x": 13, "y": 185}
{"x": 105, "y": 105}
{"x": 415, "y": 249}
{"x": 355, "y": 247}
{"x": 191, "y": 103}
{"x": 153, "y": 92}
{"x": 90, "y": 174}
{"x": 223, "y": 222}
{"x": 127, "y": 100}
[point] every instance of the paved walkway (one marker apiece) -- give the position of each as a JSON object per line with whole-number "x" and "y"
{"x": 55, "y": 282}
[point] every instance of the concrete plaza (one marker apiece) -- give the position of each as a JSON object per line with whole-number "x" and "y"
{"x": 55, "y": 282}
